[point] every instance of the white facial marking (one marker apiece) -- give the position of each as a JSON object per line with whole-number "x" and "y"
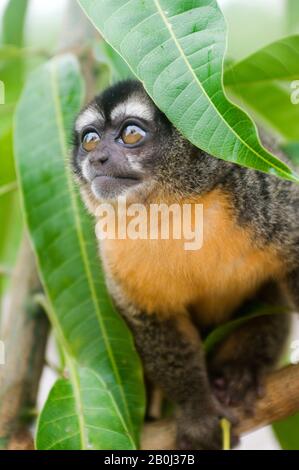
{"x": 132, "y": 107}
{"x": 88, "y": 116}
{"x": 88, "y": 170}
{"x": 85, "y": 171}
{"x": 135, "y": 165}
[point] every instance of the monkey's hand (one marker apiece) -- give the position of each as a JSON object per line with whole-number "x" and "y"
{"x": 236, "y": 384}
{"x": 201, "y": 430}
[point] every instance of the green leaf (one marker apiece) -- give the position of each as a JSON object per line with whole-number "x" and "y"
{"x": 176, "y": 49}
{"x": 254, "y": 310}
{"x": 263, "y": 81}
{"x": 287, "y": 432}
{"x": 91, "y": 333}
{"x": 61, "y": 420}
{"x": 13, "y": 22}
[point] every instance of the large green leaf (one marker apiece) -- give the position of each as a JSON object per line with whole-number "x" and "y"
{"x": 91, "y": 333}
{"x": 176, "y": 49}
{"x": 98, "y": 418}
{"x": 263, "y": 82}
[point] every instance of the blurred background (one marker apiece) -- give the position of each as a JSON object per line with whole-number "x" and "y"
{"x": 57, "y": 25}
{"x": 252, "y": 23}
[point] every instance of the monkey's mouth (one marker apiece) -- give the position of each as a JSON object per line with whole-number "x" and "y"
{"x": 107, "y": 186}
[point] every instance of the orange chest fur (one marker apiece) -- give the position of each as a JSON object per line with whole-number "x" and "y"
{"x": 162, "y": 276}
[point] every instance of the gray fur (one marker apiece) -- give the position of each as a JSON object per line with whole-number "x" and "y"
{"x": 266, "y": 204}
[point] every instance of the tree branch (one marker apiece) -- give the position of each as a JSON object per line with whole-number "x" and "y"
{"x": 25, "y": 335}
{"x": 281, "y": 400}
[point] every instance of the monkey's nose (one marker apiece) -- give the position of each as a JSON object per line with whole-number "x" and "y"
{"x": 98, "y": 157}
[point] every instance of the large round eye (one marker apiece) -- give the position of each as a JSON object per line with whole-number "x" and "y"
{"x": 90, "y": 141}
{"x": 132, "y": 134}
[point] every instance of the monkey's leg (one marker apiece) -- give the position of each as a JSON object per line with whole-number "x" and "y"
{"x": 239, "y": 365}
{"x": 174, "y": 359}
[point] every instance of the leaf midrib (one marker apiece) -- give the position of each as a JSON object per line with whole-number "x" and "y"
{"x": 78, "y": 401}
{"x": 104, "y": 385}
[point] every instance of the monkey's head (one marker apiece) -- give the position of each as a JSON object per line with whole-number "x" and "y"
{"x": 125, "y": 146}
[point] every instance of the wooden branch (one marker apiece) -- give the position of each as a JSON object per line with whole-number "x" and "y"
{"x": 25, "y": 335}
{"x": 281, "y": 400}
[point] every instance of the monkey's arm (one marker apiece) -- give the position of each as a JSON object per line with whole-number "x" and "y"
{"x": 173, "y": 358}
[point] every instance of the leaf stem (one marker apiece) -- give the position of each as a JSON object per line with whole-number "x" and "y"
{"x": 8, "y": 188}
{"x": 225, "y": 426}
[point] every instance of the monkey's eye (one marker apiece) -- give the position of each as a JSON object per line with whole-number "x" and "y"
{"x": 90, "y": 140}
{"x": 132, "y": 134}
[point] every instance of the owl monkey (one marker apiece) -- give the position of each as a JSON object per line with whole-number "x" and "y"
{"x": 170, "y": 297}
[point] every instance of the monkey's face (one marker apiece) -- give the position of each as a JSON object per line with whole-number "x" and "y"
{"x": 117, "y": 141}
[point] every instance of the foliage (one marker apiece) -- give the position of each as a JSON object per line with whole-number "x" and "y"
{"x": 181, "y": 69}
{"x": 262, "y": 82}
{"x": 98, "y": 349}
{"x": 286, "y": 432}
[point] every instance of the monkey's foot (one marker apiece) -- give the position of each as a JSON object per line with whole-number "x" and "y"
{"x": 203, "y": 431}
{"x": 237, "y": 385}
